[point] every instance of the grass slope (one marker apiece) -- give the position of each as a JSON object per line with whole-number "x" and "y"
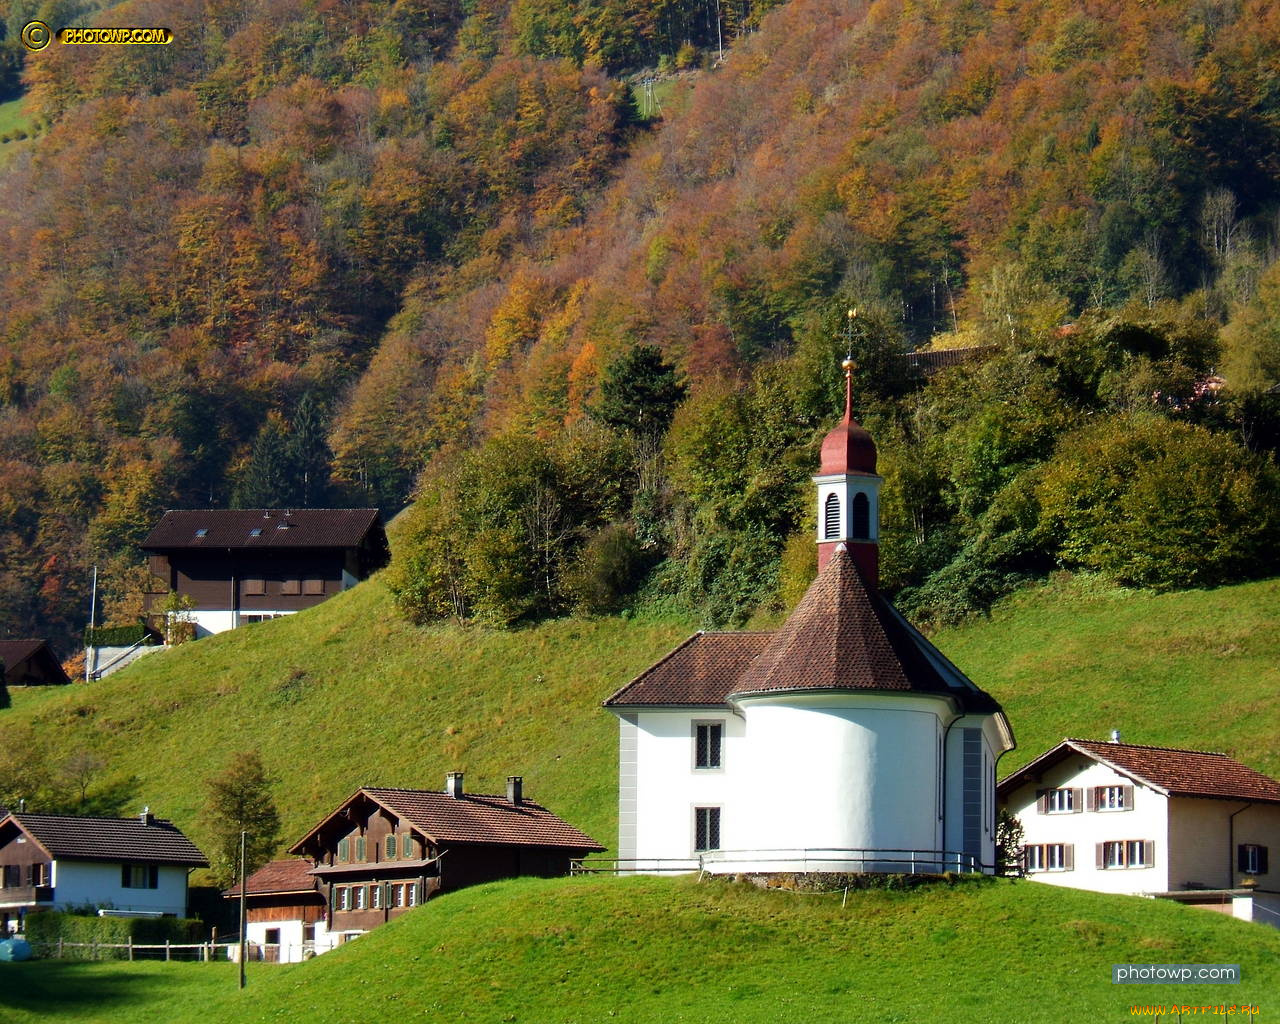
{"x": 1196, "y": 669}
{"x": 347, "y": 694}
{"x": 661, "y": 950}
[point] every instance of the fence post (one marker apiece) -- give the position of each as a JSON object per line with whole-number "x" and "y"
{"x": 59, "y": 947}
{"x": 131, "y": 949}
{"x": 166, "y": 950}
{"x": 93, "y": 950}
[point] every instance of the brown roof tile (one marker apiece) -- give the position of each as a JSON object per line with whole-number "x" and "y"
{"x": 843, "y": 635}
{"x": 280, "y": 876}
{"x": 471, "y": 818}
{"x": 114, "y": 839}
{"x": 1185, "y": 772}
{"x": 233, "y": 528}
{"x": 1176, "y": 772}
{"x": 701, "y": 671}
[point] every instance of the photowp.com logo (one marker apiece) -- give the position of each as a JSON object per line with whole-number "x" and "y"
{"x": 36, "y": 35}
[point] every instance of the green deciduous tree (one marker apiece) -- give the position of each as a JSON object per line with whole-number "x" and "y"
{"x": 239, "y": 800}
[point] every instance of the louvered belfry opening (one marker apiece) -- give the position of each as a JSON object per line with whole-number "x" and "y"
{"x": 831, "y": 518}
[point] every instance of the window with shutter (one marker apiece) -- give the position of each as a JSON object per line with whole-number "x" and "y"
{"x": 831, "y": 518}
{"x": 291, "y": 588}
{"x": 391, "y": 847}
{"x": 360, "y": 850}
{"x": 344, "y": 849}
{"x": 313, "y": 587}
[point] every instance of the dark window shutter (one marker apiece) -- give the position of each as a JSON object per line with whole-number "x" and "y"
{"x": 153, "y": 877}
{"x": 124, "y": 876}
{"x": 1042, "y": 801}
{"x": 1149, "y": 853}
{"x": 1102, "y": 855}
{"x": 1069, "y": 856}
{"x": 1128, "y": 798}
{"x": 1242, "y": 858}
{"x": 1077, "y": 801}
{"x": 1092, "y": 797}
{"x": 1262, "y": 860}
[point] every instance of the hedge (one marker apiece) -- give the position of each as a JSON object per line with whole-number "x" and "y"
{"x": 115, "y": 636}
{"x": 48, "y": 926}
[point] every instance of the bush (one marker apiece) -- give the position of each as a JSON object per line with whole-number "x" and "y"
{"x": 48, "y": 926}
{"x": 115, "y": 636}
{"x": 610, "y": 568}
{"x": 1155, "y": 503}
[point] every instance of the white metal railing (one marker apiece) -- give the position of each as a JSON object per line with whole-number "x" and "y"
{"x": 831, "y": 860}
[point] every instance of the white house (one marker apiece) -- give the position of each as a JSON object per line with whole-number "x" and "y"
{"x": 59, "y": 862}
{"x": 1183, "y": 824}
{"x": 843, "y": 742}
{"x": 285, "y": 920}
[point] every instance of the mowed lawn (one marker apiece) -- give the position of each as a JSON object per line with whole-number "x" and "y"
{"x": 660, "y": 950}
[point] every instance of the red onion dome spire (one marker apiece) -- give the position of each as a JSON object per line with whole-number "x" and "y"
{"x": 848, "y": 448}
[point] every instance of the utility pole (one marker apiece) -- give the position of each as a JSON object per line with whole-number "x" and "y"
{"x": 93, "y": 614}
{"x": 244, "y": 946}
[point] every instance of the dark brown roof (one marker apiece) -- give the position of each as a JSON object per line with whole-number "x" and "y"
{"x": 471, "y": 818}
{"x": 233, "y": 528}
{"x": 44, "y": 666}
{"x": 279, "y": 877}
{"x": 843, "y": 635}
{"x": 114, "y": 839}
{"x": 700, "y": 672}
{"x": 1171, "y": 770}
{"x": 14, "y": 651}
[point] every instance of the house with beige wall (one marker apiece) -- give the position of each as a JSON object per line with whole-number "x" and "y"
{"x": 1189, "y": 825}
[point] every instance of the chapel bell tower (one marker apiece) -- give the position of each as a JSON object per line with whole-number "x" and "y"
{"x": 849, "y": 492}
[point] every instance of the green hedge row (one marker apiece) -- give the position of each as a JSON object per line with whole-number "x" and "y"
{"x": 115, "y": 636}
{"x": 48, "y": 926}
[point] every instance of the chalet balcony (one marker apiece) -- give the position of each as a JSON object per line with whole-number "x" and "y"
{"x": 25, "y": 896}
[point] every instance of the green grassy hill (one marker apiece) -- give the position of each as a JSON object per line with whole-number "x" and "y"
{"x": 662, "y": 950}
{"x": 347, "y": 694}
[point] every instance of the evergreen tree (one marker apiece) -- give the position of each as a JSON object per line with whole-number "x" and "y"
{"x": 239, "y": 800}
{"x": 307, "y": 456}
{"x": 265, "y": 480}
{"x": 640, "y": 392}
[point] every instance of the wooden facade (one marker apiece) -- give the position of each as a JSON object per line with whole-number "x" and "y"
{"x": 386, "y": 851}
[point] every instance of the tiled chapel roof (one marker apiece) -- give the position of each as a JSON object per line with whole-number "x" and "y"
{"x": 843, "y": 635}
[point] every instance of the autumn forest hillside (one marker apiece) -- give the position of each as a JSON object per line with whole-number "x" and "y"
{"x": 575, "y": 276}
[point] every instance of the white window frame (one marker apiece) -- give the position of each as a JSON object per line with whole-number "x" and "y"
{"x": 1063, "y": 795}
{"x": 361, "y": 898}
{"x": 1111, "y": 798}
{"x": 1033, "y": 856}
{"x": 341, "y": 897}
{"x": 707, "y": 723}
{"x": 1055, "y": 855}
{"x": 1252, "y": 858}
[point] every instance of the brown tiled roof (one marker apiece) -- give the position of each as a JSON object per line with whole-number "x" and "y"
{"x": 701, "y": 671}
{"x": 844, "y": 635}
{"x": 280, "y": 876}
{"x": 114, "y": 839}
{"x": 1171, "y": 770}
{"x": 232, "y": 528}
{"x": 471, "y": 818}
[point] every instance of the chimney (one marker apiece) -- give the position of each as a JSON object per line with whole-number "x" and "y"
{"x": 146, "y": 817}
{"x": 453, "y": 784}
{"x": 515, "y": 789}
{"x": 1115, "y": 735}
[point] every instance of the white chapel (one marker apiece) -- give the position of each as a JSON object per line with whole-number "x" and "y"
{"x": 844, "y": 741}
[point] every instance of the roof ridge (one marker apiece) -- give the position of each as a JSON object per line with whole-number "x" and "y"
{"x": 90, "y": 817}
{"x": 442, "y": 792}
{"x": 1146, "y": 746}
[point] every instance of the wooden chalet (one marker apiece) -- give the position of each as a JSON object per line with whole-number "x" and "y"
{"x": 245, "y": 565}
{"x": 384, "y": 851}
{"x": 285, "y": 912}
{"x": 30, "y": 663}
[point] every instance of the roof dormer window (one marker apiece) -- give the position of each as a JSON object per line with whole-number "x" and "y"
{"x": 255, "y": 532}
{"x": 202, "y": 533}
